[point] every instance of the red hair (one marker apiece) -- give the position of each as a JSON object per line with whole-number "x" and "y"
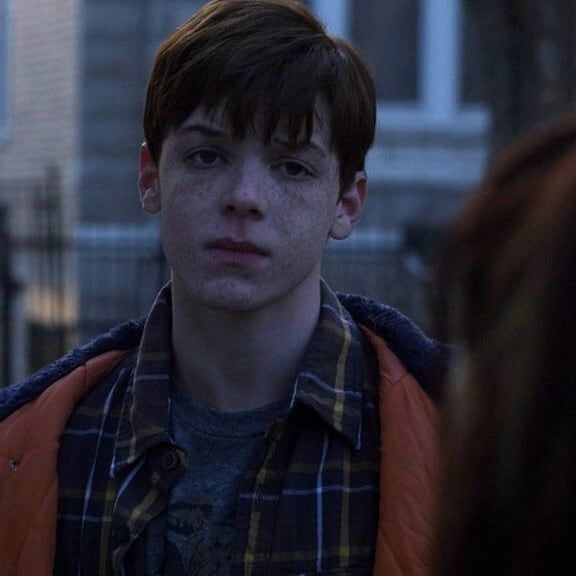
{"x": 507, "y": 293}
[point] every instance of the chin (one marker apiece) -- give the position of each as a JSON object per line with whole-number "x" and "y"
{"x": 231, "y": 307}
{"x": 240, "y": 295}
{"x": 229, "y": 298}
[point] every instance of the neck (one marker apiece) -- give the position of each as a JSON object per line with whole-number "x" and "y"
{"x": 235, "y": 360}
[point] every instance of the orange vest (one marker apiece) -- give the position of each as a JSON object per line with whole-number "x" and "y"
{"x": 29, "y": 441}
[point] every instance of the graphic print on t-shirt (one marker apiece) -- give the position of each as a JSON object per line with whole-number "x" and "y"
{"x": 199, "y": 529}
{"x": 197, "y": 542}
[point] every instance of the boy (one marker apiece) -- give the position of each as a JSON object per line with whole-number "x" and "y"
{"x": 238, "y": 429}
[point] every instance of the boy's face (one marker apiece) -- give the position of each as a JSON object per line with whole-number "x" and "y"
{"x": 244, "y": 223}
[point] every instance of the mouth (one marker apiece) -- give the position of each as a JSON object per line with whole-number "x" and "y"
{"x": 230, "y": 251}
{"x": 240, "y": 246}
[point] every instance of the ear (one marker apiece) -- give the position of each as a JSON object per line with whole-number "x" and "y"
{"x": 349, "y": 208}
{"x": 148, "y": 184}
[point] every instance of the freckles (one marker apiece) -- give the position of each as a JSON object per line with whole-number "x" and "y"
{"x": 189, "y": 195}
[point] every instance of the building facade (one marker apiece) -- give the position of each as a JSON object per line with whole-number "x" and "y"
{"x": 39, "y": 95}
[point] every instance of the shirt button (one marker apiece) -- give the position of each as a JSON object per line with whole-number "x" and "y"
{"x": 170, "y": 460}
{"x": 14, "y": 463}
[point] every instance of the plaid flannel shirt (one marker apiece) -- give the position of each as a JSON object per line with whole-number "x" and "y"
{"x": 308, "y": 506}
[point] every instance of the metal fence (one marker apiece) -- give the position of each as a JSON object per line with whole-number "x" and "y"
{"x": 31, "y": 265}
{"x": 119, "y": 271}
{"x": 59, "y": 287}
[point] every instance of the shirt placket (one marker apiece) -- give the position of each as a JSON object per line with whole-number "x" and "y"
{"x": 144, "y": 497}
{"x": 256, "y": 516}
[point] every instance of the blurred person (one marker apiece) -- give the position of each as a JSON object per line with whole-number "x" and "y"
{"x": 507, "y": 288}
{"x": 238, "y": 428}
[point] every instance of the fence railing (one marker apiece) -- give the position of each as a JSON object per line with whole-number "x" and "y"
{"x": 59, "y": 287}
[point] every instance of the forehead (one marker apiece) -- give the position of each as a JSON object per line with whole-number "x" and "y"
{"x": 258, "y": 126}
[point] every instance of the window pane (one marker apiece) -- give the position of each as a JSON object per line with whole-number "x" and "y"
{"x": 387, "y": 34}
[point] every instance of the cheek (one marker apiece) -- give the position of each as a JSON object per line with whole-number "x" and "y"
{"x": 185, "y": 198}
{"x": 176, "y": 217}
{"x": 305, "y": 227}
{"x": 180, "y": 216}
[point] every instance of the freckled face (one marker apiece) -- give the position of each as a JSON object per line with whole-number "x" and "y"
{"x": 244, "y": 223}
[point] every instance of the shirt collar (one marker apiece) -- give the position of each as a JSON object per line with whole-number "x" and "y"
{"x": 145, "y": 414}
{"x": 334, "y": 370}
{"x": 330, "y": 381}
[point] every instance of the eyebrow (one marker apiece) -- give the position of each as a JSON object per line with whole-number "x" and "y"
{"x": 214, "y": 132}
{"x": 205, "y": 129}
{"x": 299, "y": 145}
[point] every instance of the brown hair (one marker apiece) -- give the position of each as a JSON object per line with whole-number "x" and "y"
{"x": 268, "y": 57}
{"x": 507, "y": 289}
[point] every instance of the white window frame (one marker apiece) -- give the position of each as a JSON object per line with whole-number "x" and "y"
{"x": 5, "y": 72}
{"x": 439, "y": 101}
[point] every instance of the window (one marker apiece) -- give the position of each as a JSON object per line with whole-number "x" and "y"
{"x": 387, "y": 34}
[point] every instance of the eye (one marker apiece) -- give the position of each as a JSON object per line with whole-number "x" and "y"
{"x": 295, "y": 169}
{"x": 204, "y": 157}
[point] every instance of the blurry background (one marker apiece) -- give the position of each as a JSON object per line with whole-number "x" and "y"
{"x": 456, "y": 79}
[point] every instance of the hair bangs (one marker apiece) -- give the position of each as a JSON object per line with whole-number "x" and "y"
{"x": 265, "y": 97}
{"x": 263, "y": 65}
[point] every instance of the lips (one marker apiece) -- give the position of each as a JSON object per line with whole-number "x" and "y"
{"x": 237, "y": 246}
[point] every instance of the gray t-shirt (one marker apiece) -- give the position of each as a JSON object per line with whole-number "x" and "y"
{"x": 198, "y": 530}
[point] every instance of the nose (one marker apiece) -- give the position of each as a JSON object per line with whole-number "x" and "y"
{"x": 245, "y": 196}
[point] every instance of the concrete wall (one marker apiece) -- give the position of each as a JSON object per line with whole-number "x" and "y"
{"x": 43, "y": 95}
